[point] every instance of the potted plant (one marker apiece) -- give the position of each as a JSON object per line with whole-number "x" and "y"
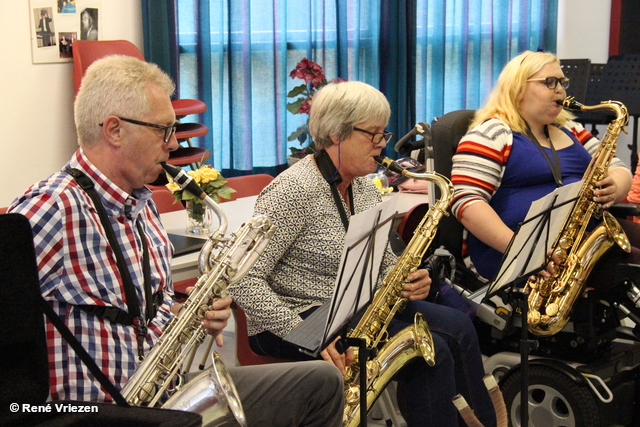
{"x": 198, "y": 213}
{"x": 314, "y": 79}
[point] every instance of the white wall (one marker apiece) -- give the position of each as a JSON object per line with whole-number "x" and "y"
{"x": 36, "y": 100}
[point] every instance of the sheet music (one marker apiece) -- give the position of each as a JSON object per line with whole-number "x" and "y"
{"x": 356, "y": 278}
{"x": 531, "y": 242}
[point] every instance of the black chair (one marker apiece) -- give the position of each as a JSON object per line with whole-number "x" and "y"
{"x": 24, "y": 369}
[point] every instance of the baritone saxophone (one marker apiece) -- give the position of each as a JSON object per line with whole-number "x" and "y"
{"x": 413, "y": 341}
{"x": 551, "y": 300}
{"x": 222, "y": 261}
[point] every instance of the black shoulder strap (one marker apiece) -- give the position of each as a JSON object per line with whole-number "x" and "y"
{"x": 84, "y": 356}
{"x": 333, "y": 178}
{"x": 133, "y": 316}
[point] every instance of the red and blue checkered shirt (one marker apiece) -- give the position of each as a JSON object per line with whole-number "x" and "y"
{"x": 77, "y": 266}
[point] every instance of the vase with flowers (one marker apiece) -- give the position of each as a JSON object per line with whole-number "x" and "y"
{"x": 314, "y": 79}
{"x": 199, "y": 216}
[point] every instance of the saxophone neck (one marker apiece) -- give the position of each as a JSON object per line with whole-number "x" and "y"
{"x": 443, "y": 184}
{"x": 620, "y": 110}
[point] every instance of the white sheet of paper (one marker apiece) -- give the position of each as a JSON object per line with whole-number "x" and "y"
{"x": 356, "y": 271}
{"x": 515, "y": 262}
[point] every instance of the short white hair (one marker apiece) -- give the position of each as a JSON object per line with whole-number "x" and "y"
{"x": 337, "y": 107}
{"x": 115, "y": 85}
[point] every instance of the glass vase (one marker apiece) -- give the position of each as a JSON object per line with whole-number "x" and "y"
{"x": 199, "y": 218}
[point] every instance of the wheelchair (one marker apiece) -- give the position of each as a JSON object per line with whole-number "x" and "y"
{"x": 587, "y": 375}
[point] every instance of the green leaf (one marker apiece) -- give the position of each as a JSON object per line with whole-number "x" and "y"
{"x": 293, "y": 107}
{"x": 298, "y": 90}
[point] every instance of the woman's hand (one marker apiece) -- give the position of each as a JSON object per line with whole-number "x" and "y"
{"x": 606, "y": 192}
{"x": 340, "y": 360}
{"x": 417, "y": 286}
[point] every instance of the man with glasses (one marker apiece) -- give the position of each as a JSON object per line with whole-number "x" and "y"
{"x": 126, "y": 130}
{"x": 311, "y": 205}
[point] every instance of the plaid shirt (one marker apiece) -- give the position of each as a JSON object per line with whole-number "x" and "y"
{"x": 77, "y": 266}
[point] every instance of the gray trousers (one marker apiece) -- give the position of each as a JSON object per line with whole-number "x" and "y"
{"x": 290, "y": 394}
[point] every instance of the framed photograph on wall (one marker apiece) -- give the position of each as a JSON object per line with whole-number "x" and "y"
{"x": 56, "y": 24}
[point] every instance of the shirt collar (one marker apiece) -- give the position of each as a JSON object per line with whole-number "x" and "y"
{"x": 113, "y": 197}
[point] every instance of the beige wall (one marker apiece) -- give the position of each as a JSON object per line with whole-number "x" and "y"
{"x": 36, "y": 100}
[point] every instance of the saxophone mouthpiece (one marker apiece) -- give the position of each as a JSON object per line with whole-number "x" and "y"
{"x": 389, "y": 164}
{"x": 570, "y": 103}
{"x": 184, "y": 180}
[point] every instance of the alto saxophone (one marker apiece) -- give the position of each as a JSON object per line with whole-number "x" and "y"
{"x": 551, "y": 299}
{"x": 413, "y": 341}
{"x": 222, "y": 261}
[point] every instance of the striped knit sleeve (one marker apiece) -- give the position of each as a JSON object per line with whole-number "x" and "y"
{"x": 591, "y": 143}
{"x": 478, "y": 164}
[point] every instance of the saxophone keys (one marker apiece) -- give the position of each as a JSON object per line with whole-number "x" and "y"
{"x": 552, "y": 309}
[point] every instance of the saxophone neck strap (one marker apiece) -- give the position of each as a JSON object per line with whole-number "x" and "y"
{"x": 333, "y": 178}
{"x": 133, "y": 316}
{"x": 554, "y": 164}
{"x": 81, "y": 352}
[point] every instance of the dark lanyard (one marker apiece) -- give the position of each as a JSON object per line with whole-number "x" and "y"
{"x": 333, "y": 178}
{"x": 555, "y": 167}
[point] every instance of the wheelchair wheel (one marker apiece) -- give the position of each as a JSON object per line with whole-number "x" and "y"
{"x": 554, "y": 400}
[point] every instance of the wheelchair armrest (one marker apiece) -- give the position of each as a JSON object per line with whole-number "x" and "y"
{"x": 624, "y": 210}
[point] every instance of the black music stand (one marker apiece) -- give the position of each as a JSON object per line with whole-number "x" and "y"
{"x": 526, "y": 255}
{"x": 621, "y": 82}
{"x": 577, "y": 71}
{"x": 593, "y": 96}
{"x": 364, "y": 248}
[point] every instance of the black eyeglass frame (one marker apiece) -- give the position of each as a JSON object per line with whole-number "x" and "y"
{"x": 552, "y": 82}
{"x": 387, "y": 136}
{"x": 168, "y": 130}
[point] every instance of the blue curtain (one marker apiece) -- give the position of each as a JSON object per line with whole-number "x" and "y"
{"x": 428, "y": 57}
{"x": 464, "y": 44}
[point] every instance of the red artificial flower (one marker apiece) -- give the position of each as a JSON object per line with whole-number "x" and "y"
{"x": 310, "y": 72}
{"x": 305, "y": 107}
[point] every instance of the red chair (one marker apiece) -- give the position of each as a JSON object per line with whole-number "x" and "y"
{"x": 85, "y": 52}
{"x": 244, "y": 352}
{"x": 247, "y": 185}
{"x": 164, "y": 199}
{"x": 3, "y": 210}
{"x": 411, "y": 220}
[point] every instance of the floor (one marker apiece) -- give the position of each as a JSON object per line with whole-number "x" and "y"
{"x": 228, "y": 354}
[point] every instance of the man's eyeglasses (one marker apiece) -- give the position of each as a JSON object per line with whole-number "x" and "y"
{"x": 168, "y": 130}
{"x": 552, "y": 82}
{"x": 376, "y": 138}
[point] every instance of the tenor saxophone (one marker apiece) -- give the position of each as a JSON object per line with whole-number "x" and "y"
{"x": 551, "y": 300}
{"x": 222, "y": 261}
{"x": 413, "y": 341}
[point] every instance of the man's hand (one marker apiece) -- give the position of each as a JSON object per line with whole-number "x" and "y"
{"x": 215, "y": 320}
{"x": 417, "y": 286}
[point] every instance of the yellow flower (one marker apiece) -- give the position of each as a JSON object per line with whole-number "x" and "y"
{"x": 173, "y": 187}
{"x": 208, "y": 174}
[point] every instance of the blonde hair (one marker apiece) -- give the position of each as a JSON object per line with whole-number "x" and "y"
{"x": 115, "y": 85}
{"x": 503, "y": 101}
{"x": 337, "y": 107}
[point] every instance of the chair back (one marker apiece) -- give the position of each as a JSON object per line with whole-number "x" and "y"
{"x": 85, "y": 52}
{"x": 3, "y": 210}
{"x": 247, "y": 185}
{"x": 164, "y": 200}
{"x": 23, "y": 346}
{"x": 245, "y": 354}
{"x": 446, "y": 133}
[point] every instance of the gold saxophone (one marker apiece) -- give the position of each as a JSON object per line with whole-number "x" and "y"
{"x": 551, "y": 299}
{"x": 222, "y": 261}
{"x": 414, "y": 340}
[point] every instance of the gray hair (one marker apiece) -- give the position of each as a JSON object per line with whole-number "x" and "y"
{"x": 115, "y": 85}
{"x": 337, "y": 107}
